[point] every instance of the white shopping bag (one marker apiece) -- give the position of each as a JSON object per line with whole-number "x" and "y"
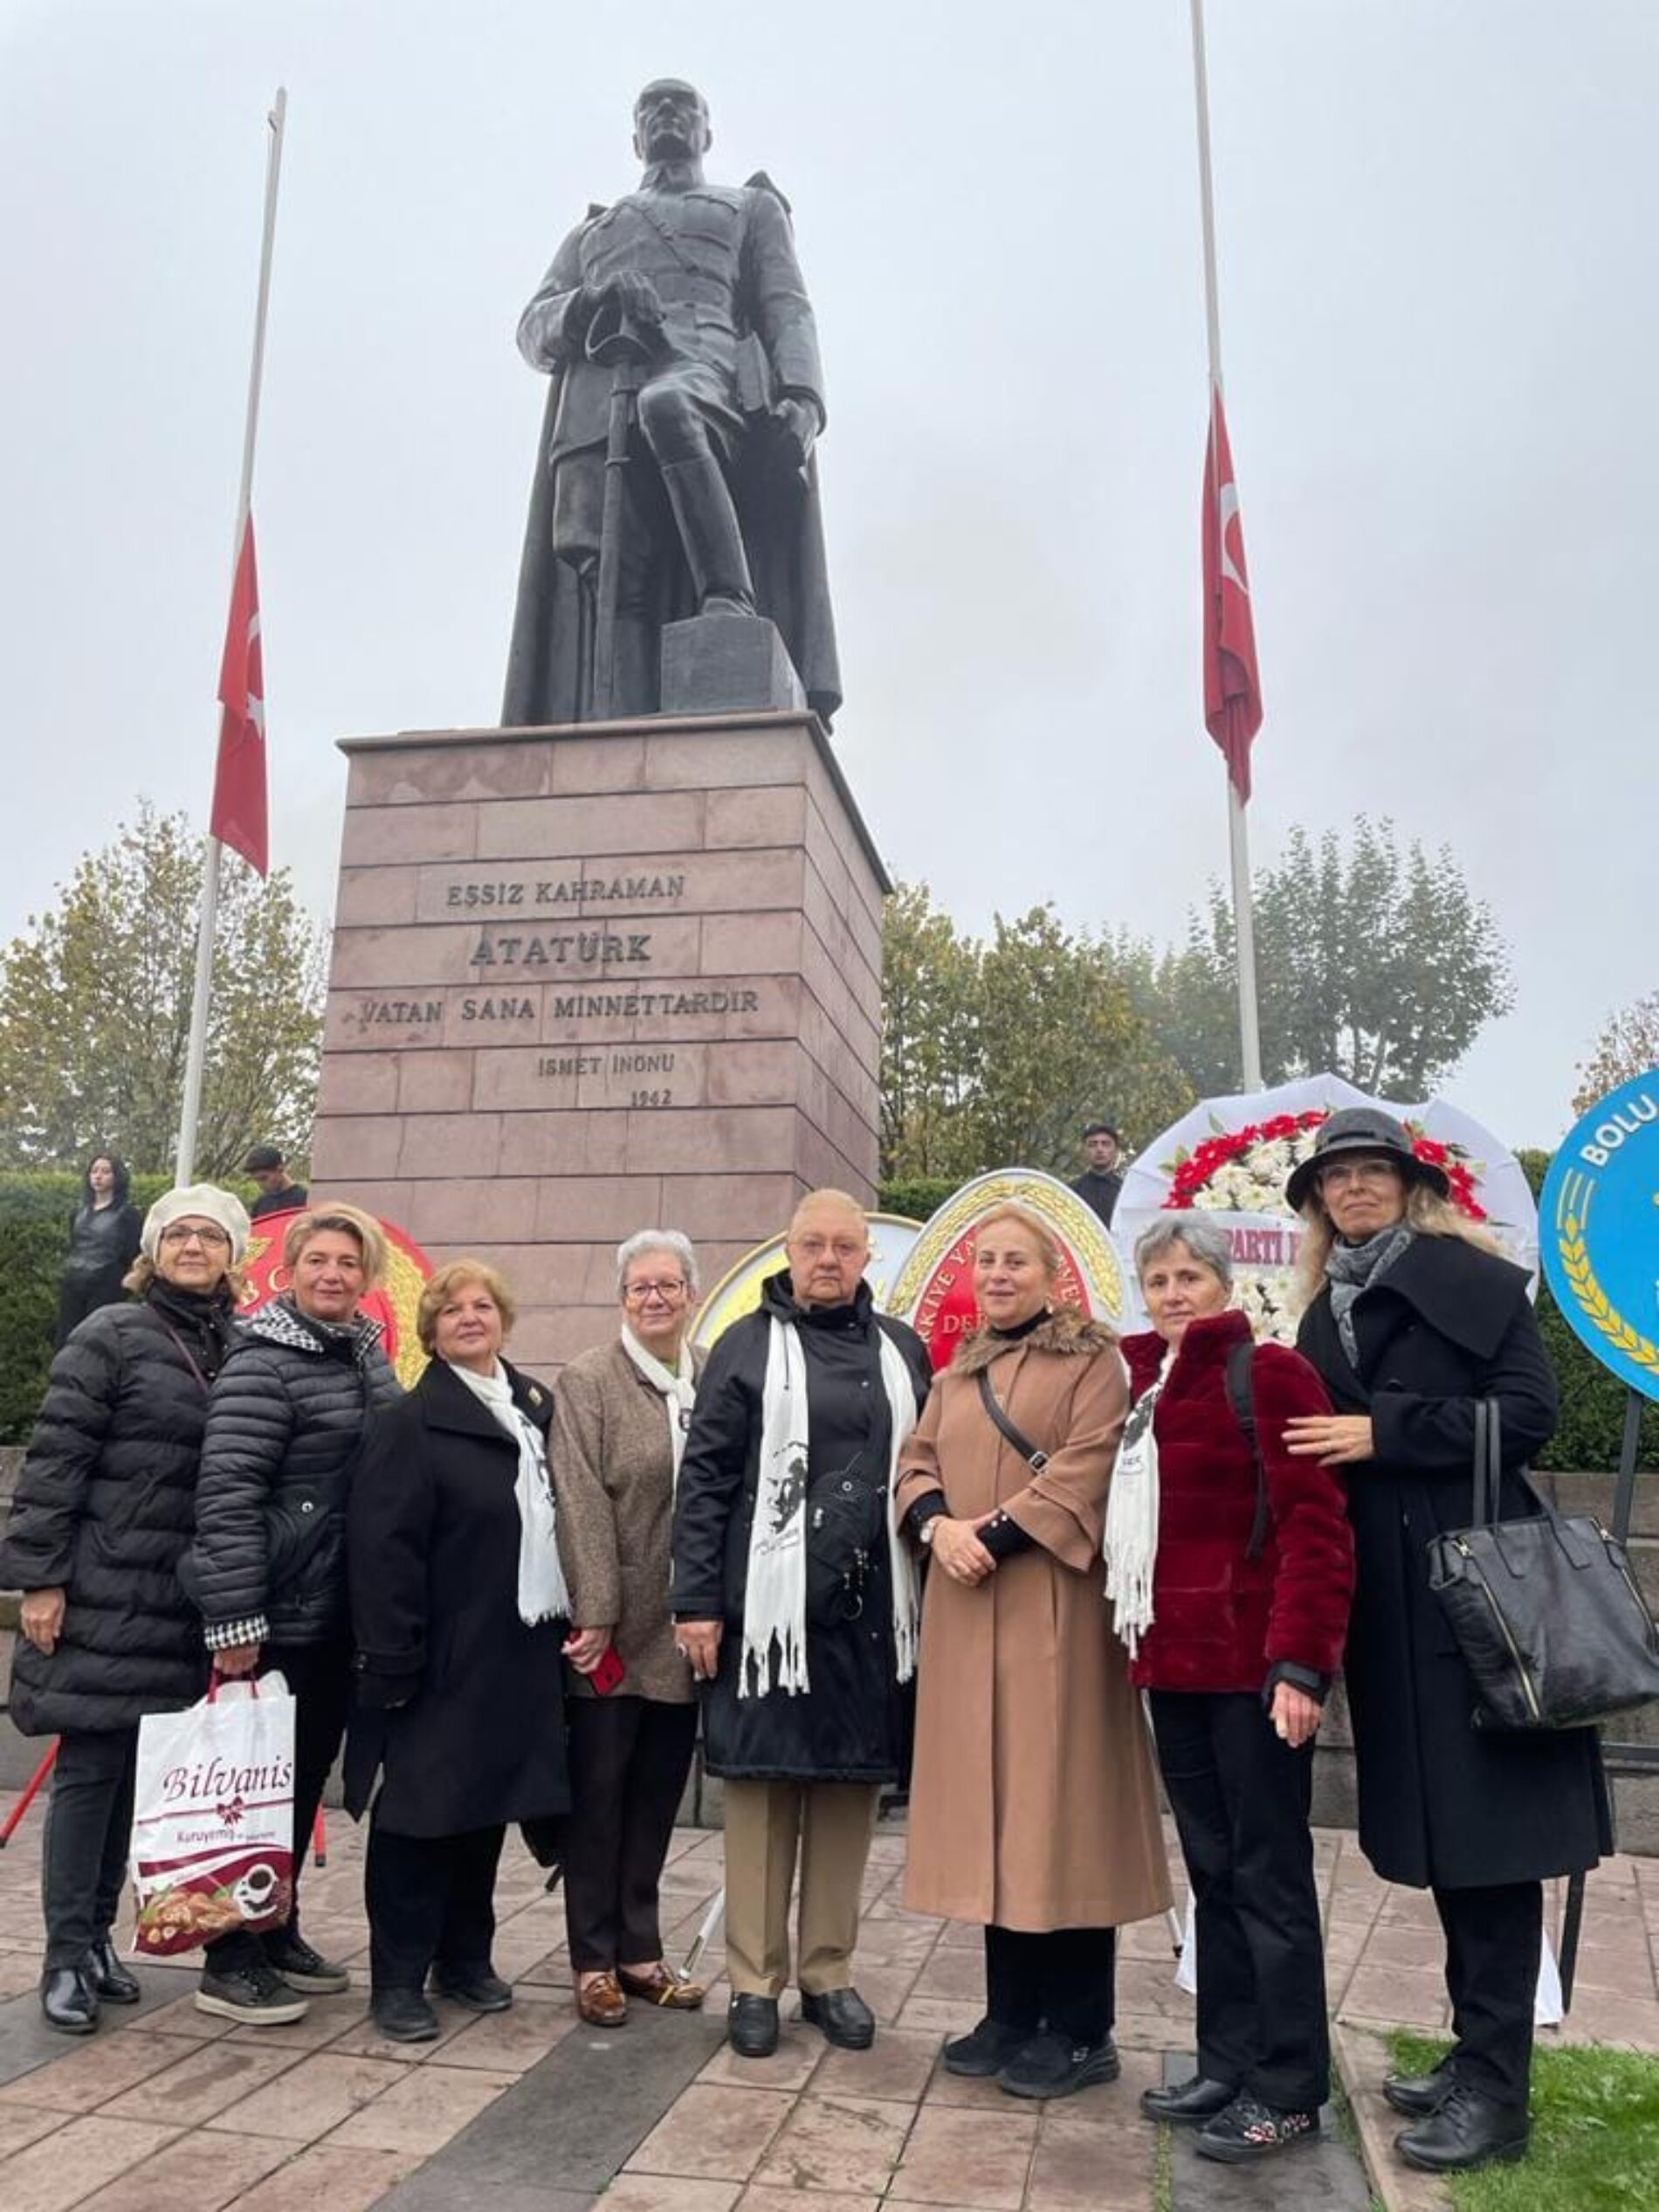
{"x": 213, "y": 1816}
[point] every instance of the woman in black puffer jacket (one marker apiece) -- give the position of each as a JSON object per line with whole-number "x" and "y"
{"x": 103, "y": 1512}
{"x": 285, "y": 1429}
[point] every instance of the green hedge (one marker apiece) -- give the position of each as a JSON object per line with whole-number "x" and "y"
{"x": 921, "y": 1196}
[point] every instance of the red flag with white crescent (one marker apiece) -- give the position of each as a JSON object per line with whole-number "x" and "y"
{"x": 239, "y": 807}
{"x": 1232, "y": 682}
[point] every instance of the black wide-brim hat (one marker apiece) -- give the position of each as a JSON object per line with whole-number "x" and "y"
{"x": 1363, "y": 1129}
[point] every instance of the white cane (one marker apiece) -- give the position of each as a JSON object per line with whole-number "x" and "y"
{"x": 705, "y": 1935}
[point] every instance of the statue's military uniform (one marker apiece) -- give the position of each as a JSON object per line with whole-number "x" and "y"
{"x": 722, "y": 262}
{"x": 737, "y": 337}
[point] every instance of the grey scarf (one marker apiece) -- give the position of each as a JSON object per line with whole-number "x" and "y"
{"x": 1353, "y": 1268}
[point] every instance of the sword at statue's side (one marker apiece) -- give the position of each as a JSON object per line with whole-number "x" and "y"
{"x": 623, "y": 344}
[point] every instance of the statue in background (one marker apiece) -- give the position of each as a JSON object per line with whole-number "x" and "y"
{"x": 676, "y": 475}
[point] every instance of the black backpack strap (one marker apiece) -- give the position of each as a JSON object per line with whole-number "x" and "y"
{"x": 1241, "y": 1395}
{"x": 1034, "y": 1459}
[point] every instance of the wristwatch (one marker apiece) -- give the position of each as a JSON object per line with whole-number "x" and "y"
{"x": 929, "y": 1530}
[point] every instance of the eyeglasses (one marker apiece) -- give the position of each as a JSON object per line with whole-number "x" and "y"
{"x": 180, "y": 1235}
{"x": 1376, "y": 1171}
{"x": 642, "y": 1293}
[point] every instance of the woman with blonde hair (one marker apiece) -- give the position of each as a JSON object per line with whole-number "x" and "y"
{"x": 287, "y": 1425}
{"x": 101, "y": 1519}
{"x": 1034, "y": 1808}
{"x": 1413, "y": 1322}
{"x": 459, "y": 1611}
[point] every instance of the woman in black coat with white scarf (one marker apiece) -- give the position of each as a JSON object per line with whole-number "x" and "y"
{"x": 459, "y": 1613}
{"x": 1412, "y": 1321}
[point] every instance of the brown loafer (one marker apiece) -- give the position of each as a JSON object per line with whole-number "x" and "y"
{"x": 663, "y": 1987}
{"x": 600, "y": 2001}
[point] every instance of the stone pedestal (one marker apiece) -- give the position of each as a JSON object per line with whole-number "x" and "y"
{"x": 596, "y": 979}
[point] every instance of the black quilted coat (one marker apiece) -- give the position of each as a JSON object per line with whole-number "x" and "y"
{"x": 284, "y": 1425}
{"x": 104, "y": 1510}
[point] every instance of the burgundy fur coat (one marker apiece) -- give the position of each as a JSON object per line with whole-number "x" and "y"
{"x": 1222, "y": 1622}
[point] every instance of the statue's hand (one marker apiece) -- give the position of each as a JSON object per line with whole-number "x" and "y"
{"x": 634, "y": 296}
{"x": 798, "y": 420}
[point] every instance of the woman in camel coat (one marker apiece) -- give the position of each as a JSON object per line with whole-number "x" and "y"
{"x": 1034, "y": 1808}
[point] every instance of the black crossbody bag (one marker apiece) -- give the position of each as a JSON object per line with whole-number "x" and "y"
{"x": 1545, "y": 1610}
{"x": 1240, "y": 1395}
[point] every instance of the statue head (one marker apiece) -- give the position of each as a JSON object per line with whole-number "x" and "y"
{"x": 671, "y": 122}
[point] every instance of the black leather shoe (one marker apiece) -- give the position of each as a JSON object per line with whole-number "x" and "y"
{"x": 477, "y": 1988}
{"x": 1467, "y": 2129}
{"x": 844, "y": 2018}
{"x": 986, "y": 2052}
{"x": 752, "y": 2026}
{"x": 109, "y": 1977}
{"x": 69, "y": 1999}
{"x": 404, "y": 2016}
{"x": 1186, "y": 2103}
{"x": 1417, "y": 2095}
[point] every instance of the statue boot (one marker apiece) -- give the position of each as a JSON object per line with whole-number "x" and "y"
{"x": 701, "y": 500}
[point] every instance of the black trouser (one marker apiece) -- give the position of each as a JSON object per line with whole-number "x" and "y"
{"x": 320, "y": 1675}
{"x": 89, "y": 1824}
{"x": 1240, "y": 1800}
{"x": 1065, "y": 1979}
{"x": 629, "y": 1761}
{"x": 1494, "y": 1942}
{"x": 431, "y": 1902}
{"x": 80, "y": 1295}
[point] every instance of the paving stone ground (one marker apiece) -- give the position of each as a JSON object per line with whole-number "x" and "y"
{"x": 165, "y": 2109}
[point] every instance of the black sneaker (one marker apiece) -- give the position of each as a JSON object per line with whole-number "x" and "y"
{"x": 1249, "y": 2129}
{"x": 255, "y": 1993}
{"x": 986, "y": 2051}
{"x": 300, "y": 1967}
{"x": 1051, "y": 2065}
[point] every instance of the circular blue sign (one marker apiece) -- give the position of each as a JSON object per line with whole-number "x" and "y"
{"x": 1598, "y": 1227}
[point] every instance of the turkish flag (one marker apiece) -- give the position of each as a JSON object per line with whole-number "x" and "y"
{"x": 1232, "y": 685}
{"x": 238, "y": 817}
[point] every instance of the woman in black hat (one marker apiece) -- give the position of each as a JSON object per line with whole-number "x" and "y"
{"x": 1412, "y": 1318}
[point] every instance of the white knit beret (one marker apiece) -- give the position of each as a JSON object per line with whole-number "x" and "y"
{"x": 205, "y": 1199}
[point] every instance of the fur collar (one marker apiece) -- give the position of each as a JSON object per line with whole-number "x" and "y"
{"x": 1068, "y": 1330}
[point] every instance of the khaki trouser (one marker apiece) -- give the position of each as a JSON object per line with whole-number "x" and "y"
{"x": 830, "y": 1825}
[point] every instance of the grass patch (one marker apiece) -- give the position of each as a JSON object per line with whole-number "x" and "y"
{"x": 1595, "y": 2133}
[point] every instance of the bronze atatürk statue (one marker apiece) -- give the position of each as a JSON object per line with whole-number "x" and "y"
{"x": 676, "y": 476}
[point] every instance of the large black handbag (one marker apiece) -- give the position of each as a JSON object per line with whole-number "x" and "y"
{"x": 1545, "y": 1610}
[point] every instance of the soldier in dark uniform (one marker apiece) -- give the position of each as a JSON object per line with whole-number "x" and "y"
{"x": 702, "y": 278}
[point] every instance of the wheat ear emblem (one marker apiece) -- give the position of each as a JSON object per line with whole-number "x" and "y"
{"x": 1575, "y": 1260}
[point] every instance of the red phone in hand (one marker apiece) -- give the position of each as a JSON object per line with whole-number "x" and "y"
{"x": 608, "y": 1675}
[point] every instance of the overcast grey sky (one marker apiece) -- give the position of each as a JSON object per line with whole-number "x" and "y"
{"x": 1436, "y": 226}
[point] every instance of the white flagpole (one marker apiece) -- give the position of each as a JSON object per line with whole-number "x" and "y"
{"x": 196, "y": 1052}
{"x": 1250, "y": 1027}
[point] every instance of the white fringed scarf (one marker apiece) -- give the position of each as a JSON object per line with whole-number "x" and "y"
{"x": 775, "y": 1609}
{"x": 1130, "y": 1543}
{"x": 542, "y": 1594}
{"x": 675, "y": 1386}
